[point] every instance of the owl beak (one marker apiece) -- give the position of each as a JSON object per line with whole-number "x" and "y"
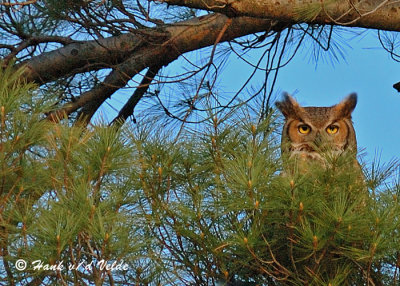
{"x": 318, "y": 141}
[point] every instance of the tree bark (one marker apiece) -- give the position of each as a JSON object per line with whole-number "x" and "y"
{"x": 86, "y": 56}
{"x": 371, "y": 14}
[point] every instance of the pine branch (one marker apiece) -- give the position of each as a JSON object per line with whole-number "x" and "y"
{"x": 128, "y": 108}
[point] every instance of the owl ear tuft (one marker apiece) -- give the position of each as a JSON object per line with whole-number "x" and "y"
{"x": 346, "y": 106}
{"x": 288, "y": 106}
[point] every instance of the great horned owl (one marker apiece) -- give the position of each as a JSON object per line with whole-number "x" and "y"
{"x": 309, "y": 131}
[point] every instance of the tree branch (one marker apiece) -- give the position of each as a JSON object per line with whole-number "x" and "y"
{"x": 104, "y": 53}
{"x": 117, "y": 78}
{"x": 372, "y": 14}
{"x": 128, "y": 108}
{"x": 93, "y": 55}
{"x": 187, "y": 36}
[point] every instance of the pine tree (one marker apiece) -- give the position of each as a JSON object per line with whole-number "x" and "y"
{"x": 137, "y": 205}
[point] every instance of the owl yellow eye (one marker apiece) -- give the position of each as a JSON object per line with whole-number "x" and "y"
{"x": 304, "y": 129}
{"x": 332, "y": 129}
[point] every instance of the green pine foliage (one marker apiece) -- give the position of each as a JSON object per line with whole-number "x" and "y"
{"x": 219, "y": 206}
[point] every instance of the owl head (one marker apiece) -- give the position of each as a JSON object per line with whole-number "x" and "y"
{"x": 308, "y": 131}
